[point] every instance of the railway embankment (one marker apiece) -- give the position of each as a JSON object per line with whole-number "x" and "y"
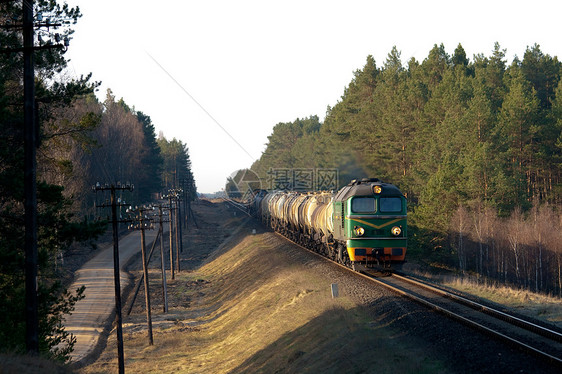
{"x": 248, "y": 301}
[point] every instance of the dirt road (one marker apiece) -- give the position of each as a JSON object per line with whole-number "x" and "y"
{"x": 91, "y": 315}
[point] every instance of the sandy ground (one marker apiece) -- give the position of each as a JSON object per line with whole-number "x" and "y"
{"x": 92, "y": 313}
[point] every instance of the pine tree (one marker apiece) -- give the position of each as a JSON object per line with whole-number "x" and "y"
{"x": 57, "y": 227}
{"x": 516, "y": 134}
{"x": 149, "y": 181}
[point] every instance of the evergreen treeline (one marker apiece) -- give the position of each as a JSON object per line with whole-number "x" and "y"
{"x": 477, "y": 139}
{"x": 177, "y": 167}
{"x": 81, "y": 141}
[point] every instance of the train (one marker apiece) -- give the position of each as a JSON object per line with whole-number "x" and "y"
{"x": 361, "y": 226}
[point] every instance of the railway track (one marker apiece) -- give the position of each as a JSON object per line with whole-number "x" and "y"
{"x": 236, "y": 205}
{"x": 527, "y": 336}
{"x": 524, "y": 335}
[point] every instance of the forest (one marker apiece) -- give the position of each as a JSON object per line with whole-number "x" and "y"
{"x": 82, "y": 141}
{"x": 475, "y": 146}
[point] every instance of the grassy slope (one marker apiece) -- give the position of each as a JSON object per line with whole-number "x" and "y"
{"x": 539, "y": 306}
{"x": 256, "y": 309}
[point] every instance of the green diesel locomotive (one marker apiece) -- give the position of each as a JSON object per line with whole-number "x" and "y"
{"x": 370, "y": 222}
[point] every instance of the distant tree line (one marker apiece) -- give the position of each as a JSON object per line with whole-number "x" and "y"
{"x": 118, "y": 145}
{"x": 81, "y": 141}
{"x": 478, "y": 139}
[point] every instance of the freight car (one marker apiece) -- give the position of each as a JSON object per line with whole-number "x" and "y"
{"x": 362, "y": 225}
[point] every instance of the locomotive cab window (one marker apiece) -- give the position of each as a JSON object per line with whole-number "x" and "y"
{"x": 390, "y": 204}
{"x": 363, "y": 205}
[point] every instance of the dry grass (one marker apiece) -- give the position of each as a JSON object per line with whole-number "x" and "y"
{"x": 525, "y": 302}
{"x": 535, "y": 305}
{"x": 259, "y": 310}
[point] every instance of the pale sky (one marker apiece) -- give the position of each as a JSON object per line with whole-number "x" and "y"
{"x": 208, "y": 72}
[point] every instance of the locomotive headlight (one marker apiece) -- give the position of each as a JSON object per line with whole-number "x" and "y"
{"x": 359, "y": 231}
{"x": 377, "y": 189}
{"x": 396, "y": 231}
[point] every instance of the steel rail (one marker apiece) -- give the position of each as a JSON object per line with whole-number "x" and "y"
{"x": 473, "y": 324}
{"x": 543, "y": 331}
{"x": 446, "y": 312}
{"x": 237, "y": 205}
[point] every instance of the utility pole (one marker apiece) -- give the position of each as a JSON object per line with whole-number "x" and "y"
{"x": 30, "y": 183}
{"x": 170, "y": 210}
{"x": 161, "y": 232}
{"x": 141, "y": 281}
{"x": 185, "y": 202}
{"x": 179, "y": 201}
{"x": 175, "y": 217}
{"x": 143, "y": 222}
{"x": 30, "y": 127}
{"x": 174, "y": 197}
{"x": 162, "y": 263}
{"x": 178, "y": 223}
{"x": 116, "y": 276}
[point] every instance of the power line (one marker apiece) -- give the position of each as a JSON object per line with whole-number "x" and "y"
{"x": 201, "y": 106}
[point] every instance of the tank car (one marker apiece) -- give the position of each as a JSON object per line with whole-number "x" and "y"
{"x": 362, "y": 225}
